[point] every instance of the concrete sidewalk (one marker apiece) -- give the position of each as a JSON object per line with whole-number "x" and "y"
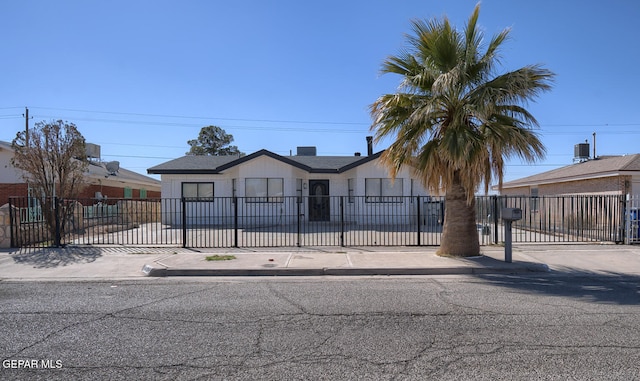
{"x": 126, "y": 262}
{"x": 336, "y": 261}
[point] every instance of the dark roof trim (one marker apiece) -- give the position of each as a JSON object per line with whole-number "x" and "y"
{"x": 364, "y": 160}
{"x": 264, "y": 152}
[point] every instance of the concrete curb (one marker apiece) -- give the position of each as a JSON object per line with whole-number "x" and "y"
{"x": 151, "y": 271}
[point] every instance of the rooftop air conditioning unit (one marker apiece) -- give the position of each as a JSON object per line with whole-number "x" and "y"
{"x": 581, "y": 151}
{"x": 306, "y": 151}
{"x": 92, "y": 150}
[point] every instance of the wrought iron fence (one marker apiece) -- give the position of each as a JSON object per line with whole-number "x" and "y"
{"x": 576, "y": 218}
{"x": 312, "y": 221}
{"x": 305, "y": 221}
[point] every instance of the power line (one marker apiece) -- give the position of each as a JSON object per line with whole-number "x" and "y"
{"x": 594, "y": 125}
{"x": 175, "y": 124}
{"x": 140, "y": 157}
{"x": 309, "y": 130}
{"x": 543, "y": 126}
{"x": 204, "y": 117}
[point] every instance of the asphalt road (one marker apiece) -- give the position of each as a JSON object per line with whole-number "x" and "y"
{"x": 380, "y": 328}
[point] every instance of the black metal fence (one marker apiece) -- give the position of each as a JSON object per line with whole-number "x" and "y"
{"x": 305, "y": 221}
{"x": 577, "y": 218}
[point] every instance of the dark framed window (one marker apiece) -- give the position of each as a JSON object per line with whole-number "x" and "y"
{"x": 264, "y": 189}
{"x": 383, "y": 190}
{"x": 534, "y": 201}
{"x": 197, "y": 191}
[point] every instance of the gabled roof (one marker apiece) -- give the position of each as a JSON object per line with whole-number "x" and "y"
{"x": 604, "y": 166}
{"x": 218, "y": 164}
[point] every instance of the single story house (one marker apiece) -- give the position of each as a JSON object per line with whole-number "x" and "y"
{"x": 102, "y": 179}
{"x": 266, "y": 183}
{"x": 584, "y": 197}
{"x": 604, "y": 175}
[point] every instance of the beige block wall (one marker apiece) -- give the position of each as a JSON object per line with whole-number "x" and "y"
{"x": 5, "y": 227}
{"x": 605, "y": 185}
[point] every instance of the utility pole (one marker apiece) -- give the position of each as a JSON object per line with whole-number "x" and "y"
{"x": 26, "y": 125}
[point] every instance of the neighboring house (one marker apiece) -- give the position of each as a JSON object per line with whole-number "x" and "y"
{"x": 585, "y": 199}
{"x": 605, "y": 175}
{"x": 102, "y": 180}
{"x": 264, "y": 178}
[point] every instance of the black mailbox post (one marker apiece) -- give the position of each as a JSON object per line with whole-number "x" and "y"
{"x": 508, "y": 216}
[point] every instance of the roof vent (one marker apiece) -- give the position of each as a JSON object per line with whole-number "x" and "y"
{"x": 112, "y": 167}
{"x": 581, "y": 152}
{"x": 306, "y": 151}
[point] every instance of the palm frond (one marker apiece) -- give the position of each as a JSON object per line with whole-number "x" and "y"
{"x": 454, "y": 118}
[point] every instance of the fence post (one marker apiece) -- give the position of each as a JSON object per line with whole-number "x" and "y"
{"x": 235, "y": 221}
{"x": 342, "y": 221}
{"x": 299, "y": 201}
{"x": 494, "y": 202}
{"x": 419, "y": 220}
{"x": 183, "y": 204}
{"x": 625, "y": 222}
{"x": 56, "y": 209}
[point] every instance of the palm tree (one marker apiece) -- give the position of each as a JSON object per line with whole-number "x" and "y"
{"x": 455, "y": 121}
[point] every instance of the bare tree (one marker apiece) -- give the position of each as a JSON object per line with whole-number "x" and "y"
{"x": 52, "y": 158}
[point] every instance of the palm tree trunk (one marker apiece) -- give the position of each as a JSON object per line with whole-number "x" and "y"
{"x": 459, "y": 233}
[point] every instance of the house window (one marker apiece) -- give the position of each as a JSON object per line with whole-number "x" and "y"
{"x": 351, "y": 190}
{"x": 383, "y": 190}
{"x": 128, "y": 192}
{"x": 197, "y": 191}
{"x": 143, "y": 193}
{"x": 264, "y": 189}
{"x": 534, "y": 201}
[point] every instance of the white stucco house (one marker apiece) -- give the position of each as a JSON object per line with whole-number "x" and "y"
{"x": 304, "y": 184}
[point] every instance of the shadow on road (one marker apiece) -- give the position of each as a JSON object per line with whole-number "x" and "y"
{"x": 51, "y": 258}
{"x": 600, "y": 287}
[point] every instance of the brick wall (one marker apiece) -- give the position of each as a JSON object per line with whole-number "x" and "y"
{"x": 11, "y": 190}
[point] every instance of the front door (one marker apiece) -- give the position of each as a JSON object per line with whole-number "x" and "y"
{"x": 319, "y": 200}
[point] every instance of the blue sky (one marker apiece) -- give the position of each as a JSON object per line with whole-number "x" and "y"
{"x": 140, "y": 78}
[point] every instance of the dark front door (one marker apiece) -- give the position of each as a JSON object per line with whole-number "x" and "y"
{"x": 319, "y": 200}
